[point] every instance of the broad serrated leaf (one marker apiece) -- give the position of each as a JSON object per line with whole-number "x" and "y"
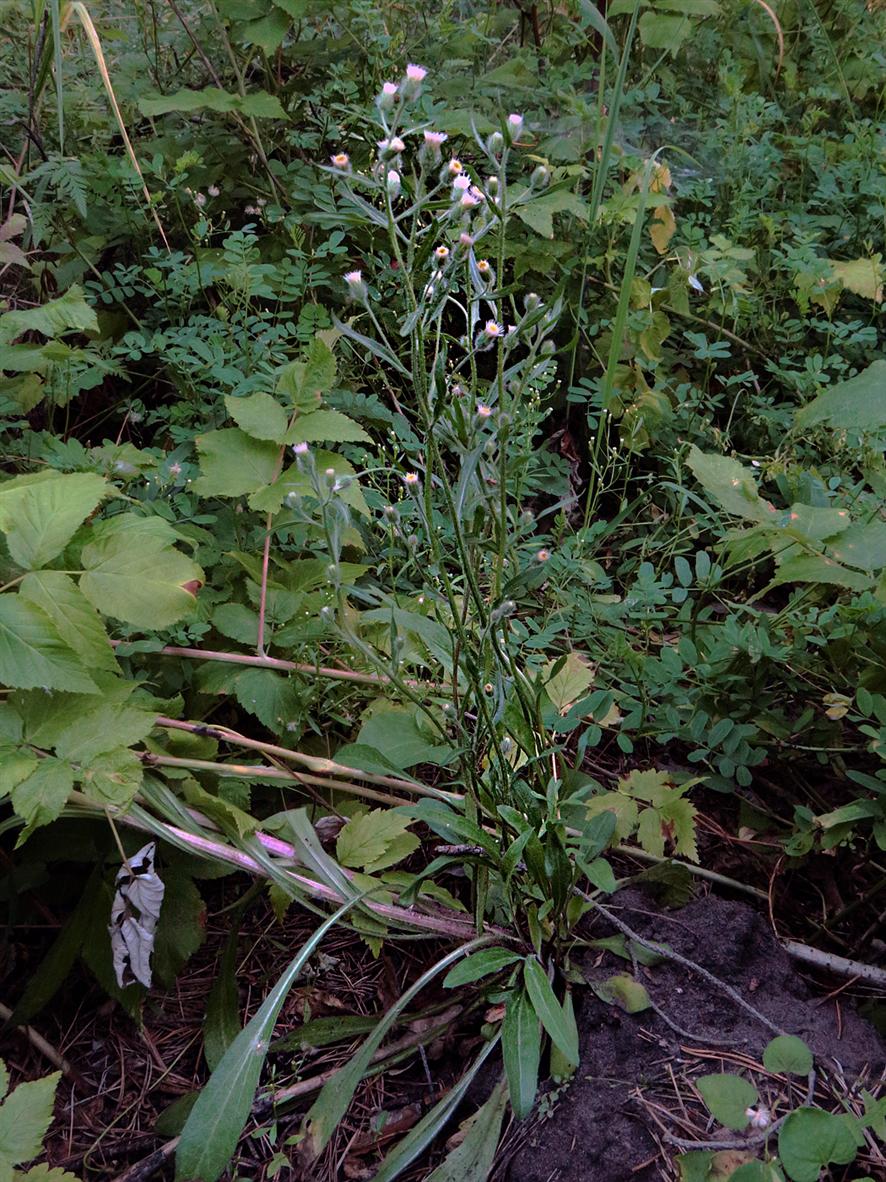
{"x": 294, "y": 483}
{"x": 69, "y": 313}
{"x": 25, "y": 1116}
{"x": 32, "y": 653}
{"x": 83, "y": 726}
{"x": 394, "y": 731}
{"x": 259, "y": 415}
{"x": 732, "y": 485}
{"x": 371, "y": 841}
{"x": 272, "y": 697}
{"x": 325, "y": 426}
{"x": 133, "y": 573}
{"x": 728, "y": 1097}
{"x": 112, "y": 778}
{"x": 303, "y": 382}
{"x": 232, "y": 464}
{"x": 16, "y": 764}
{"x": 76, "y": 620}
{"x": 40, "y": 519}
{"x": 574, "y": 675}
{"x": 858, "y": 404}
{"x": 258, "y": 105}
{"x": 818, "y": 568}
{"x": 41, "y": 797}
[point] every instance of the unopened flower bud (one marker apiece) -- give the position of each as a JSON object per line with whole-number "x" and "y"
{"x": 393, "y": 184}
{"x": 531, "y": 301}
{"x": 329, "y": 477}
{"x": 495, "y": 143}
{"x": 357, "y": 289}
{"x": 411, "y": 84}
{"x": 540, "y": 177}
{"x": 492, "y": 185}
{"x": 514, "y": 126}
{"x": 388, "y": 96}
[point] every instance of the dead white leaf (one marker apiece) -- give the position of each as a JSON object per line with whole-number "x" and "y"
{"x": 134, "y": 916}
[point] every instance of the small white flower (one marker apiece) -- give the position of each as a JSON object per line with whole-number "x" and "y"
{"x": 441, "y": 254}
{"x": 200, "y": 199}
{"x": 175, "y": 469}
{"x": 411, "y": 479}
{"x": 301, "y": 449}
{"x": 759, "y": 1117}
{"x": 341, "y": 160}
{"x": 542, "y": 555}
{"x": 455, "y": 167}
{"x": 465, "y": 239}
{"x": 213, "y": 190}
{"x": 484, "y": 267}
{"x": 492, "y": 329}
{"x": 469, "y": 199}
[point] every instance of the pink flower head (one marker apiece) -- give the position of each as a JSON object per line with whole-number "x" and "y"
{"x": 484, "y": 266}
{"x": 455, "y": 167}
{"x": 389, "y": 89}
{"x": 465, "y": 240}
{"x": 388, "y": 96}
{"x": 492, "y": 329}
{"x": 515, "y": 125}
{"x": 416, "y": 73}
{"x": 435, "y": 138}
{"x": 461, "y": 182}
{"x": 393, "y": 183}
{"x": 356, "y": 287}
{"x": 341, "y": 160}
{"x": 394, "y": 144}
{"x": 301, "y": 449}
{"x": 441, "y": 254}
{"x": 483, "y": 411}
{"x": 469, "y": 199}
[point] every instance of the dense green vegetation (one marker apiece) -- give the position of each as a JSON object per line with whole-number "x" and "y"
{"x": 478, "y": 466}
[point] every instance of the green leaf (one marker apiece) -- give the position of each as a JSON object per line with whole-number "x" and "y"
{"x": 25, "y": 1116}
{"x": 325, "y": 426}
{"x": 39, "y": 799}
{"x": 83, "y": 726}
{"x": 421, "y": 1136}
{"x": 132, "y": 572}
{"x": 539, "y": 212}
{"x": 229, "y": 818}
{"x": 394, "y": 731}
{"x": 695, "y": 1166}
{"x": 40, "y": 518}
{"x": 569, "y": 682}
{"x": 472, "y": 1159}
{"x": 789, "y": 1055}
{"x": 15, "y": 765}
{"x": 217, "y": 1119}
{"x": 32, "y": 654}
{"x": 731, "y": 484}
{"x": 112, "y": 778}
{"x": 559, "y": 1024}
{"x": 294, "y": 483}
{"x": 69, "y": 313}
{"x": 811, "y": 1138}
{"x": 221, "y": 1025}
{"x": 268, "y": 32}
{"x": 182, "y": 927}
{"x": 858, "y": 404}
{"x": 259, "y": 415}
{"x": 76, "y": 620}
{"x": 521, "y": 1050}
{"x": 817, "y": 568}
{"x": 623, "y": 991}
{"x": 257, "y": 105}
{"x": 727, "y": 1097}
{"x": 233, "y": 465}
{"x": 272, "y": 698}
{"x": 862, "y": 546}
{"x": 303, "y": 382}
{"x": 659, "y": 30}
{"x": 372, "y": 841}
{"x": 481, "y": 964}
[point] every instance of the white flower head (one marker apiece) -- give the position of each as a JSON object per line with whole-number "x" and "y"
{"x": 341, "y": 161}
{"x": 465, "y": 239}
{"x": 411, "y": 479}
{"x": 542, "y": 555}
{"x": 213, "y": 190}
{"x": 492, "y": 329}
{"x": 200, "y": 199}
{"x": 455, "y": 167}
{"x": 441, "y": 254}
{"x": 759, "y": 1117}
{"x": 301, "y": 449}
{"x": 484, "y": 266}
{"x": 411, "y": 85}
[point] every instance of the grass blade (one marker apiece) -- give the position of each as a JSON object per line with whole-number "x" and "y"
{"x": 216, "y": 1122}
{"x": 420, "y": 1137}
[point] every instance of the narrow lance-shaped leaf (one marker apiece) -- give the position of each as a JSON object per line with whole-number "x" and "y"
{"x": 521, "y": 1048}
{"x": 213, "y": 1128}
